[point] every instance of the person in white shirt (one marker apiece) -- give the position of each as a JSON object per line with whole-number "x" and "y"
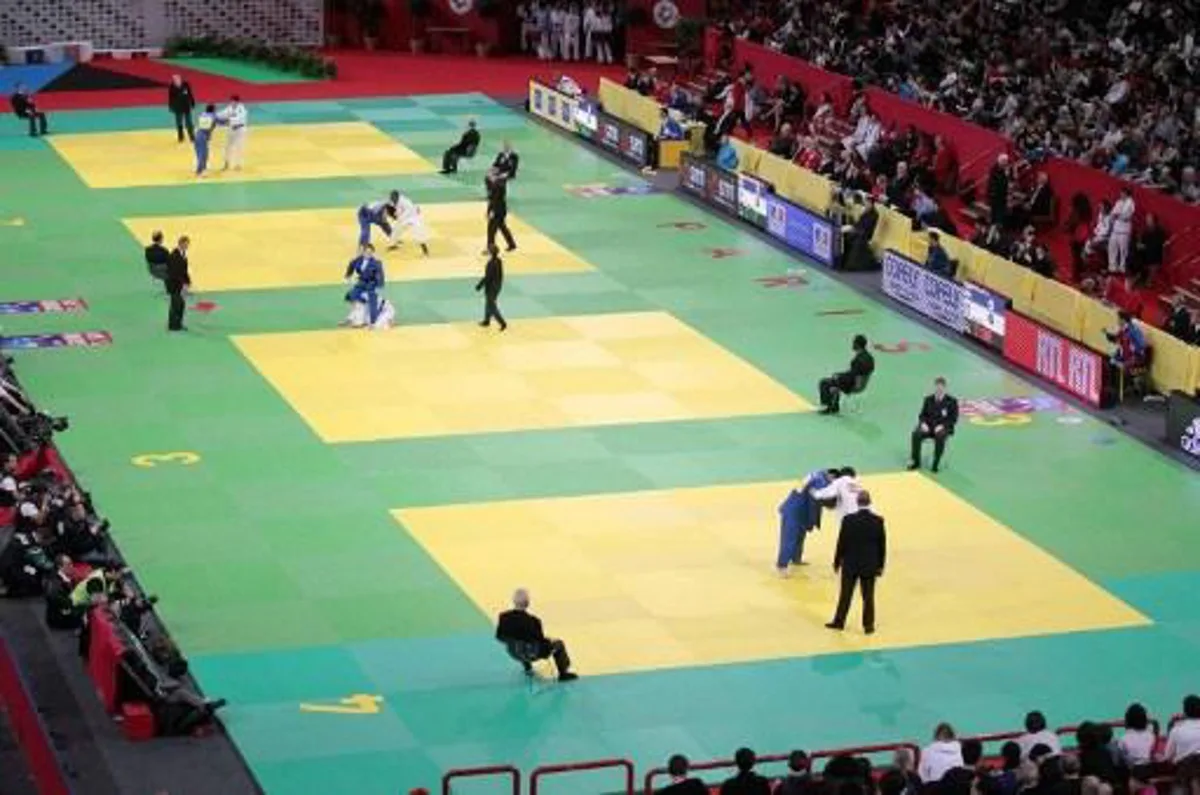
{"x": 942, "y": 755}
{"x": 235, "y": 116}
{"x": 528, "y": 14}
{"x": 570, "y": 33}
{"x": 1184, "y": 738}
{"x": 602, "y": 35}
{"x": 589, "y": 25}
{"x": 1136, "y": 746}
{"x": 408, "y": 216}
{"x": 865, "y": 136}
{"x": 844, "y": 489}
{"x": 557, "y": 18}
{"x": 1036, "y": 733}
{"x": 1122, "y": 231}
{"x": 1101, "y": 230}
{"x": 545, "y": 48}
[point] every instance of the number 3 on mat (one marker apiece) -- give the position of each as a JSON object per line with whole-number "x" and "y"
{"x": 151, "y": 460}
{"x": 999, "y": 420}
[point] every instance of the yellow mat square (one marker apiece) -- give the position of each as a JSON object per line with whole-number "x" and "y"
{"x": 686, "y": 577}
{"x": 312, "y": 247}
{"x": 273, "y": 151}
{"x": 555, "y": 372}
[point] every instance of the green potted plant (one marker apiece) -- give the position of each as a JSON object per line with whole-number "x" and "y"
{"x": 421, "y": 10}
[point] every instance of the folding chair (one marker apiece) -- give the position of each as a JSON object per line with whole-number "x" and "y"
{"x": 527, "y": 654}
{"x": 854, "y": 398}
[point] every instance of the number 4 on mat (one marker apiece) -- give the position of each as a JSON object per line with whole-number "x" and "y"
{"x": 151, "y": 460}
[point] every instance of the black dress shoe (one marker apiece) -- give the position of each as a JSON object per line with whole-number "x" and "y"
{"x": 936, "y": 467}
{"x": 869, "y": 630}
{"x": 916, "y": 465}
{"x": 835, "y": 625}
{"x": 510, "y": 248}
{"x": 567, "y": 677}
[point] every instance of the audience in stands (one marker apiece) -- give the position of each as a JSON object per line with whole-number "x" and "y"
{"x": 799, "y": 779}
{"x": 940, "y": 756}
{"x": 1183, "y": 740}
{"x": 1111, "y": 85}
{"x": 1182, "y": 323}
{"x": 681, "y": 782}
{"x": 746, "y": 782}
{"x": 1037, "y": 732}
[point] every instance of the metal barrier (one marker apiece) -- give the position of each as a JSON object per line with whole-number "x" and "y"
{"x": 719, "y": 764}
{"x": 577, "y": 767}
{"x": 511, "y": 772}
{"x": 1119, "y": 723}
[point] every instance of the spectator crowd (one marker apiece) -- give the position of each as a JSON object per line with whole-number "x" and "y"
{"x": 1113, "y": 85}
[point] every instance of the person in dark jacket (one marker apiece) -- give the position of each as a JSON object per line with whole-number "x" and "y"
{"x": 681, "y": 782}
{"x": 860, "y": 558}
{"x": 507, "y": 162}
{"x": 180, "y": 102}
{"x": 1149, "y": 251}
{"x": 799, "y": 779}
{"x": 157, "y": 256}
{"x": 25, "y": 107}
{"x": 746, "y": 782}
{"x": 853, "y": 380}
{"x": 520, "y": 626}
{"x": 178, "y": 281}
{"x": 857, "y": 246}
{"x": 939, "y": 415}
{"x": 1180, "y": 323}
{"x": 466, "y": 147}
{"x": 491, "y": 284}
{"x": 997, "y": 192}
{"x": 497, "y": 209}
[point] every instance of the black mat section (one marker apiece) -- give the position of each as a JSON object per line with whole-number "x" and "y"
{"x": 84, "y": 77}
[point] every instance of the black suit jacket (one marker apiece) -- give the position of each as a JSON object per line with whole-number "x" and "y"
{"x": 497, "y": 197}
{"x": 507, "y": 163}
{"x": 935, "y": 413}
{"x": 862, "y": 545}
{"x": 177, "y": 272}
{"x": 862, "y": 365}
{"x": 23, "y": 105}
{"x": 746, "y": 784}
{"x": 493, "y": 278}
{"x": 689, "y": 786}
{"x": 180, "y": 98}
{"x": 519, "y": 625}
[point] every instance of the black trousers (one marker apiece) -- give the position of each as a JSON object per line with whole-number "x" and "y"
{"x": 37, "y": 122}
{"x": 492, "y": 310}
{"x": 557, "y": 650}
{"x": 175, "y": 314}
{"x": 939, "y": 444}
{"x": 183, "y": 121}
{"x": 831, "y": 389}
{"x": 499, "y": 223}
{"x": 451, "y": 157}
{"x": 867, "y": 586}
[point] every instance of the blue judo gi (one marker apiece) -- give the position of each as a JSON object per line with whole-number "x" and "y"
{"x": 374, "y": 214}
{"x": 799, "y": 515}
{"x": 368, "y": 281}
{"x": 205, "y": 125}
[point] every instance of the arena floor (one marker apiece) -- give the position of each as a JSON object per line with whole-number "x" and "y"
{"x": 332, "y": 517}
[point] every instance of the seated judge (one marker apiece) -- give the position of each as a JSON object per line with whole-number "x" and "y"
{"x": 519, "y": 626}
{"x": 939, "y": 415}
{"x": 466, "y": 147}
{"x": 156, "y": 257}
{"x": 25, "y": 107}
{"x": 681, "y": 782}
{"x": 853, "y": 380}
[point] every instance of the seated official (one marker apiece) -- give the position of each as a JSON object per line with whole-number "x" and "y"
{"x": 1180, "y": 324}
{"x": 938, "y": 260}
{"x": 519, "y": 626}
{"x": 156, "y": 257}
{"x": 939, "y": 415}
{"x": 857, "y": 241}
{"x": 681, "y": 782}
{"x": 24, "y": 106}
{"x": 853, "y": 380}
{"x": 466, "y": 147}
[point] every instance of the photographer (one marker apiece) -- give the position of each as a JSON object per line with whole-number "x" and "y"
{"x": 857, "y": 242}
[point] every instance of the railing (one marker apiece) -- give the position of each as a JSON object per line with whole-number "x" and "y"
{"x": 577, "y": 767}
{"x": 511, "y": 772}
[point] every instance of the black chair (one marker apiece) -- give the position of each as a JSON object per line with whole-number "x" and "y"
{"x": 854, "y": 398}
{"x": 526, "y": 653}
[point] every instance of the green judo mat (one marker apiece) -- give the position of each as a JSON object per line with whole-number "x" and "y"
{"x": 341, "y": 594}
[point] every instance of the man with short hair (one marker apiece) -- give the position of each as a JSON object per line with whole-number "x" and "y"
{"x": 180, "y": 101}
{"x": 938, "y": 416}
{"x": 507, "y": 161}
{"x": 860, "y": 557}
{"x": 681, "y": 782}
{"x": 799, "y": 779}
{"x": 466, "y": 147}
{"x": 520, "y": 626}
{"x": 746, "y": 782}
{"x": 178, "y": 282}
{"x": 156, "y": 257}
{"x": 862, "y": 365}
{"x": 1183, "y": 740}
{"x": 25, "y": 107}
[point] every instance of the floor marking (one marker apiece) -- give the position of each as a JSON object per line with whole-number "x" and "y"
{"x": 151, "y": 460}
{"x": 357, "y": 704}
{"x": 82, "y": 339}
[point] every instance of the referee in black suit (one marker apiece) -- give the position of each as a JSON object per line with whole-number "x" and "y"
{"x": 939, "y": 415}
{"x": 491, "y": 284}
{"x": 507, "y": 162}
{"x": 497, "y": 210}
{"x": 860, "y": 556}
{"x": 178, "y": 281}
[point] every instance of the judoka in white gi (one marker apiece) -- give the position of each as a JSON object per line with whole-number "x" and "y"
{"x": 408, "y": 217}
{"x": 236, "y": 117}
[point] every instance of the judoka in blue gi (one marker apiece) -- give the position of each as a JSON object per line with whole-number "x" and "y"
{"x": 367, "y": 273}
{"x": 799, "y": 515}
{"x": 203, "y": 137}
{"x": 380, "y": 214}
